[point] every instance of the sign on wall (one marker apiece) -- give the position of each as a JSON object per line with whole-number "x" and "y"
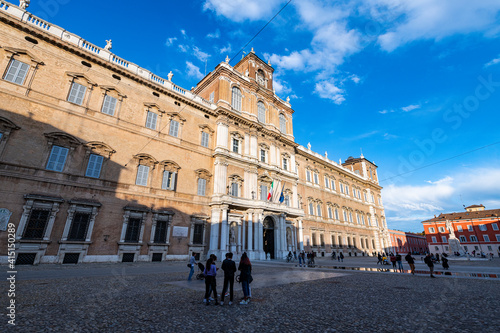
{"x": 180, "y": 232}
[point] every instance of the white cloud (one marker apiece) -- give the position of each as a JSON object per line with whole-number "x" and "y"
{"x": 193, "y": 71}
{"x": 432, "y": 20}
{"x": 421, "y": 202}
{"x": 281, "y": 87}
{"x": 241, "y": 10}
{"x": 202, "y": 56}
{"x": 492, "y": 62}
{"x": 327, "y": 89}
{"x": 184, "y": 48}
{"x": 410, "y": 107}
{"x": 386, "y": 111}
{"x": 215, "y": 34}
{"x": 354, "y": 78}
{"x": 226, "y": 49}
{"x": 170, "y": 41}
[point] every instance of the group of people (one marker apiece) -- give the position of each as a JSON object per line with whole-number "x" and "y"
{"x": 229, "y": 268}
{"x": 339, "y": 257}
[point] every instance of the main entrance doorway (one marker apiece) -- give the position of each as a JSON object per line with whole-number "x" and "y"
{"x": 268, "y": 227}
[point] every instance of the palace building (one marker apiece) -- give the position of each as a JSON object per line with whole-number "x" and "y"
{"x": 477, "y": 230}
{"x": 104, "y": 161}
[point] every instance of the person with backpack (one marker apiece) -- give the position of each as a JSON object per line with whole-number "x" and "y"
{"x": 411, "y": 261}
{"x": 229, "y": 268}
{"x": 430, "y": 264}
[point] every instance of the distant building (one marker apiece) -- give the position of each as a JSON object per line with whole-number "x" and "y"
{"x": 404, "y": 242}
{"x": 476, "y": 228}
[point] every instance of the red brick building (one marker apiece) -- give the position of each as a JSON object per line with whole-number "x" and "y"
{"x": 404, "y": 242}
{"x": 476, "y": 228}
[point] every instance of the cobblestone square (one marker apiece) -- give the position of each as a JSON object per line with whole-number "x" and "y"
{"x": 154, "y": 297}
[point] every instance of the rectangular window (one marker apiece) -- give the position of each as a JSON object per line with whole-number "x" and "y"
{"x": 330, "y": 215}
{"x": 486, "y": 238}
{"x": 432, "y": 230}
{"x": 234, "y": 189}
{"x": 318, "y": 210}
{"x": 263, "y": 192}
{"x": 77, "y": 93}
{"x": 327, "y": 182}
{"x": 161, "y": 231}
{"x": 311, "y": 209}
{"x": 285, "y": 164}
{"x": 287, "y": 201}
{"x": 57, "y": 158}
{"x": 463, "y": 239}
{"x": 174, "y": 128}
{"x": 202, "y": 185}
{"x": 469, "y": 228}
{"x": 483, "y": 227}
{"x": 204, "y": 139}
{"x": 434, "y": 240}
{"x": 459, "y": 228}
{"x": 347, "y": 189}
{"x": 316, "y": 179}
{"x": 94, "y": 166}
{"x": 109, "y": 105}
{"x": 498, "y": 238}
{"x": 441, "y": 229}
{"x": 151, "y": 120}
{"x": 333, "y": 185}
{"x": 17, "y": 72}
{"x": 473, "y": 238}
{"x": 322, "y": 239}
{"x": 493, "y": 225}
{"x": 443, "y": 238}
{"x": 133, "y": 230}
{"x": 336, "y": 214}
{"x": 79, "y": 226}
{"x": 168, "y": 181}
{"x": 236, "y": 145}
{"x": 198, "y": 234}
{"x": 37, "y": 223}
{"x": 308, "y": 175}
{"x": 142, "y": 175}
{"x": 263, "y": 155}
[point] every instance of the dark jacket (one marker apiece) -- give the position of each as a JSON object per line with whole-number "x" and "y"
{"x": 428, "y": 261}
{"x": 409, "y": 259}
{"x": 229, "y": 267}
{"x": 246, "y": 271}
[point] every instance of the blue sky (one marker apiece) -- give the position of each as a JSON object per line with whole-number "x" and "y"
{"x": 411, "y": 83}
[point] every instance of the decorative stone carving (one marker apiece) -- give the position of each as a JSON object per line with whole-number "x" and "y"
{"x": 288, "y": 99}
{"x": 227, "y": 60}
{"x": 23, "y": 4}
{"x": 109, "y": 45}
{"x": 170, "y": 75}
{"x": 309, "y": 145}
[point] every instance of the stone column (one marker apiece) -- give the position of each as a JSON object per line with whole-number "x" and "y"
{"x": 283, "y": 235}
{"x": 239, "y": 246}
{"x": 294, "y": 238}
{"x": 214, "y": 230}
{"x": 301, "y": 236}
{"x": 224, "y": 231}
{"x": 249, "y": 236}
{"x": 260, "y": 236}
{"x": 220, "y": 179}
{"x": 222, "y": 134}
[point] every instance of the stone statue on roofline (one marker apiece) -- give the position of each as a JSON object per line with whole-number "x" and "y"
{"x": 170, "y": 75}
{"x": 23, "y": 4}
{"x": 109, "y": 45}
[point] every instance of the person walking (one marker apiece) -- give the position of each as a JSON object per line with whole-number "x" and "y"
{"x": 379, "y": 257}
{"x": 430, "y": 264}
{"x": 300, "y": 259}
{"x": 444, "y": 262}
{"x": 229, "y": 268}
{"x": 192, "y": 263}
{"x": 210, "y": 273}
{"x": 245, "y": 277}
{"x": 411, "y": 261}
{"x": 341, "y": 257}
{"x": 399, "y": 260}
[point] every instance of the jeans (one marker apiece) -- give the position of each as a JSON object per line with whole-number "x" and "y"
{"x": 210, "y": 283}
{"x": 245, "y": 286}
{"x": 300, "y": 260}
{"x": 228, "y": 280}
{"x": 400, "y": 265}
{"x": 191, "y": 273}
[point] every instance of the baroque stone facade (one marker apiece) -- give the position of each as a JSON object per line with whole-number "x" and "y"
{"x": 101, "y": 160}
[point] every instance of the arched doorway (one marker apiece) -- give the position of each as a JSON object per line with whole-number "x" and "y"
{"x": 268, "y": 232}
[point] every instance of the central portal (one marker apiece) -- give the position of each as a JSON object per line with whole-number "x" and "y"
{"x": 268, "y": 227}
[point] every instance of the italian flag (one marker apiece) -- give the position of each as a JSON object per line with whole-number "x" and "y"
{"x": 270, "y": 194}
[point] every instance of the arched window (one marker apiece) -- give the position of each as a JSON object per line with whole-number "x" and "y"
{"x": 282, "y": 123}
{"x": 261, "y": 112}
{"x": 236, "y": 99}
